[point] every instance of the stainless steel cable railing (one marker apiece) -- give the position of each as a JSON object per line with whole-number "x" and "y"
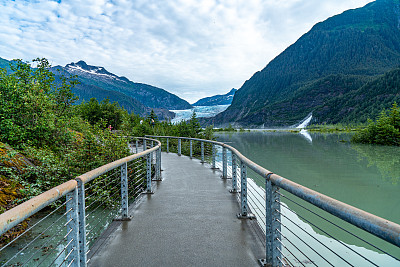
{"x": 299, "y": 224}
{"x": 63, "y": 232}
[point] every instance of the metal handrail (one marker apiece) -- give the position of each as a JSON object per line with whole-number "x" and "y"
{"x": 380, "y": 227}
{"x": 16, "y": 215}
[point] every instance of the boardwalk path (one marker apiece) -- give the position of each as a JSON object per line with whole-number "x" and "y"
{"x": 189, "y": 221}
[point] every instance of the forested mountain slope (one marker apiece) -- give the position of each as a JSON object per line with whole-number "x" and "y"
{"x": 335, "y": 57}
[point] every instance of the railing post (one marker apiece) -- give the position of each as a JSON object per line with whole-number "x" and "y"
{"x": 124, "y": 191}
{"x": 234, "y": 175}
{"x": 202, "y": 152}
{"x": 82, "y": 223}
{"x": 179, "y": 146}
{"x": 213, "y": 156}
{"x": 244, "y": 210}
{"x": 224, "y": 164}
{"x": 137, "y": 146}
{"x": 72, "y": 249}
{"x": 151, "y": 154}
{"x": 273, "y": 227}
{"x": 148, "y": 177}
{"x": 191, "y": 149}
{"x": 167, "y": 145}
{"x": 158, "y": 164}
{"x": 144, "y": 145}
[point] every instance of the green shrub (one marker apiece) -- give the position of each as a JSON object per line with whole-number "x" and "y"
{"x": 384, "y": 131}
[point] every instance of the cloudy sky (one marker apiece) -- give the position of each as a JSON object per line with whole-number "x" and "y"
{"x": 193, "y": 48}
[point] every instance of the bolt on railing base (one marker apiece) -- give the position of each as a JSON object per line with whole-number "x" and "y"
{"x": 148, "y": 192}
{"x": 123, "y": 219}
{"x": 234, "y": 191}
{"x": 263, "y": 262}
{"x": 249, "y": 216}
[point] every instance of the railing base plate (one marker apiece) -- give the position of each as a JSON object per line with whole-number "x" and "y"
{"x": 148, "y": 192}
{"x": 263, "y": 262}
{"x": 123, "y": 219}
{"x": 225, "y": 178}
{"x": 250, "y": 216}
{"x": 234, "y": 191}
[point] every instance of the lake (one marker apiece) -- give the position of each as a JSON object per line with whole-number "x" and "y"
{"x": 363, "y": 176}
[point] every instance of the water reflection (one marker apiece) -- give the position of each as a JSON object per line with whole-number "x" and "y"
{"x": 386, "y": 159}
{"x": 363, "y": 176}
{"x": 306, "y": 135}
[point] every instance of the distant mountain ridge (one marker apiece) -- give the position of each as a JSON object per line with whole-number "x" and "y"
{"x": 225, "y": 99}
{"x": 150, "y": 96}
{"x": 97, "y": 82}
{"x": 335, "y": 57}
{"x": 83, "y": 67}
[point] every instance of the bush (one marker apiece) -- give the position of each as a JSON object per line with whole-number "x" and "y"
{"x": 384, "y": 131}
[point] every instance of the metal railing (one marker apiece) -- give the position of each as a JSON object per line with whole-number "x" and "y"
{"x": 63, "y": 232}
{"x": 301, "y": 226}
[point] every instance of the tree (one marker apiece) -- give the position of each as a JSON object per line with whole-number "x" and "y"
{"x": 105, "y": 113}
{"x": 194, "y": 125}
{"x": 384, "y": 131}
{"x": 153, "y": 116}
{"x": 29, "y": 104}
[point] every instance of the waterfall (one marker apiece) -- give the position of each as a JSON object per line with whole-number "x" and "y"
{"x": 305, "y": 122}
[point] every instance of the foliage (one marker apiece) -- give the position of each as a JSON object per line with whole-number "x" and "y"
{"x": 103, "y": 113}
{"x": 32, "y": 110}
{"x": 228, "y": 129}
{"x": 384, "y": 131}
{"x": 152, "y": 117}
{"x": 334, "y": 128}
{"x": 61, "y": 141}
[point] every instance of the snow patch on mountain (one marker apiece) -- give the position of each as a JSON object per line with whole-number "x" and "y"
{"x": 93, "y": 70}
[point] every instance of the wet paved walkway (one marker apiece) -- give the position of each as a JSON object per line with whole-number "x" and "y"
{"x": 190, "y": 220}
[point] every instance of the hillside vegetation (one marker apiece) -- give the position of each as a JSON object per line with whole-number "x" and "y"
{"x": 45, "y": 140}
{"x": 384, "y": 131}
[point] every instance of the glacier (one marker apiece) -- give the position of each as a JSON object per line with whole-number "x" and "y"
{"x": 201, "y": 112}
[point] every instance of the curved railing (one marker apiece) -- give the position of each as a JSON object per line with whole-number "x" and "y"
{"x": 106, "y": 190}
{"x": 270, "y": 219}
{"x": 66, "y": 232}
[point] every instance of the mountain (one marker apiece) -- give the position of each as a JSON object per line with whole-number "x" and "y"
{"x": 5, "y": 64}
{"x": 150, "y": 96}
{"x": 335, "y": 57}
{"x": 97, "y": 82}
{"x": 365, "y": 102}
{"x": 225, "y": 99}
{"x": 140, "y": 98}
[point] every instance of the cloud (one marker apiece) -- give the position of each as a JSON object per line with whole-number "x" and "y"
{"x": 188, "y": 47}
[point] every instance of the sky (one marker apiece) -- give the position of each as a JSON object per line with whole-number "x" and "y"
{"x": 192, "y": 48}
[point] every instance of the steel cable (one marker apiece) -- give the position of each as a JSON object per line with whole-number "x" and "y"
{"x": 339, "y": 227}
{"x": 304, "y": 242}
{"x": 332, "y": 238}
{"x": 288, "y": 251}
{"x": 30, "y": 228}
{"x": 295, "y": 246}
{"x": 314, "y": 238}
